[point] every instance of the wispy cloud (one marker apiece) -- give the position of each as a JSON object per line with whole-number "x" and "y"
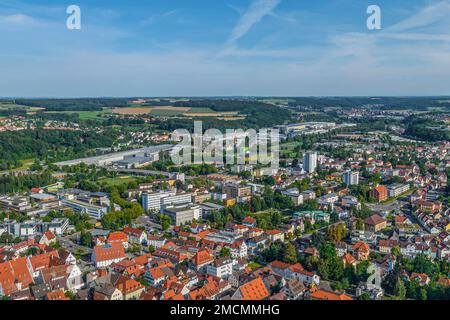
{"x": 158, "y": 18}
{"x": 257, "y": 10}
{"x": 425, "y": 17}
{"x": 16, "y": 19}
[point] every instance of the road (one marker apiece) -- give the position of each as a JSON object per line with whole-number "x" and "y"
{"x": 396, "y": 206}
{"x": 142, "y": 172}
{"x": 71, "y": 246}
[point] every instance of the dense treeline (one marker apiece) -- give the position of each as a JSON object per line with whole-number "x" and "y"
{"x": 11, "y": 184}
{"x": 269, "y": 220}
{"x": 53, "y": 144}
{"x": 85, "y": 104}
{"x": 396, "y": 285}
{"x": 116, "y": 220}
{"x": 13, "y": 112}
{"x": 67, "y": 117}
{"x": 426, "y": 129}
{"x": 383, "y": 103}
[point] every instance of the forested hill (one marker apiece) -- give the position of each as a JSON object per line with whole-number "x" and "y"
{"x": 54, "y": 144}
{"x": 382, "y": 103}
{"x": 257, "y": 114}
{"x": 85, "y": 104}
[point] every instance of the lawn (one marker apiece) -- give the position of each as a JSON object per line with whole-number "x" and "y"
{"x": 25, "y": 165}
{"x": 114, "y": 182}
{"x": 288, "y": 149}
{"x": 254, "y": 265}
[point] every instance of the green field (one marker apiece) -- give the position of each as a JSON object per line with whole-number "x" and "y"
{"x": 25, "y": 165}
{"x": 9, "y": 105}
{"x": 287, "y": 149}
{"x": 114, "y": 182}
{"x": 166, "y": 113}
{"x": 86, "y": 115}
{"x": 201, "y": 110}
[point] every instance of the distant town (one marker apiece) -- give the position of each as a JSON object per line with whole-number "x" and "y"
{"x": 93, "y": 208}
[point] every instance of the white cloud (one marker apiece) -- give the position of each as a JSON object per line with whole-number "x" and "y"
{"x": 257, "y": 10}
{"x": 16, "y": 19}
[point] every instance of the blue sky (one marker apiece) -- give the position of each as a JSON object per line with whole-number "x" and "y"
{"x": 224, "y": 47}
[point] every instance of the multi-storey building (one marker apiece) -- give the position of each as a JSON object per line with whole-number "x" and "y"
{"x": 236, "y": 190}
{"x": 310, "y": 162}
{"x": 351, "y": 178}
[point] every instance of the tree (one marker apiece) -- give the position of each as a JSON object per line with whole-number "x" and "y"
{"x": 334, "y": 217}
{"x": 396, "y": 251}
{"x": 290, "y": 253}
{"x": 86, "y": 239}
{"x": 400, "y": 290}
{"x": 364, "y": 296}
{"x": 337, "y": 232}
{"x": 165, "y": 221}
{"x": 71, "y": 295}
{"x": 422, "y": 264}
{"x": 359, "y": 224}
{"x": 225, "y": 252}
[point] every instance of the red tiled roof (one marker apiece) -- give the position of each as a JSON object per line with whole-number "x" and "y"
{"x": 326, "y": 295}
{"x": 57, "y": 295}
{"x": 254, "y": 290}
{"x": 202, "y": 257}
{"x": 42, "y": 260}
{"x": 13, "y": 272}
{"x": 127, "y": 285}
{"x": 361, "y": 246}
{"x": 133, "y": 231}
{"x": 249, "y": 219}
{"x": 109, "y": 252}
{"x": 49, "y": 235}
{"x": 118, "y": 236}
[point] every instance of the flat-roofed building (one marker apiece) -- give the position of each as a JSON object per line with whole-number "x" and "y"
{"x": 397, "y": 189}
{"x": 152, "y": 201}
{"x": 235, "y": 190}
{"x": 93, "y": 211}
{"x": 156, "y": 201}
{"x": 351, "y": 178}
{"x": 182, "y": 214}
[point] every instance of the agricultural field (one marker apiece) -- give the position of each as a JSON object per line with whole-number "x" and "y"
{"x": 161, "y": 111}
{"x": 9, "y": 105}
